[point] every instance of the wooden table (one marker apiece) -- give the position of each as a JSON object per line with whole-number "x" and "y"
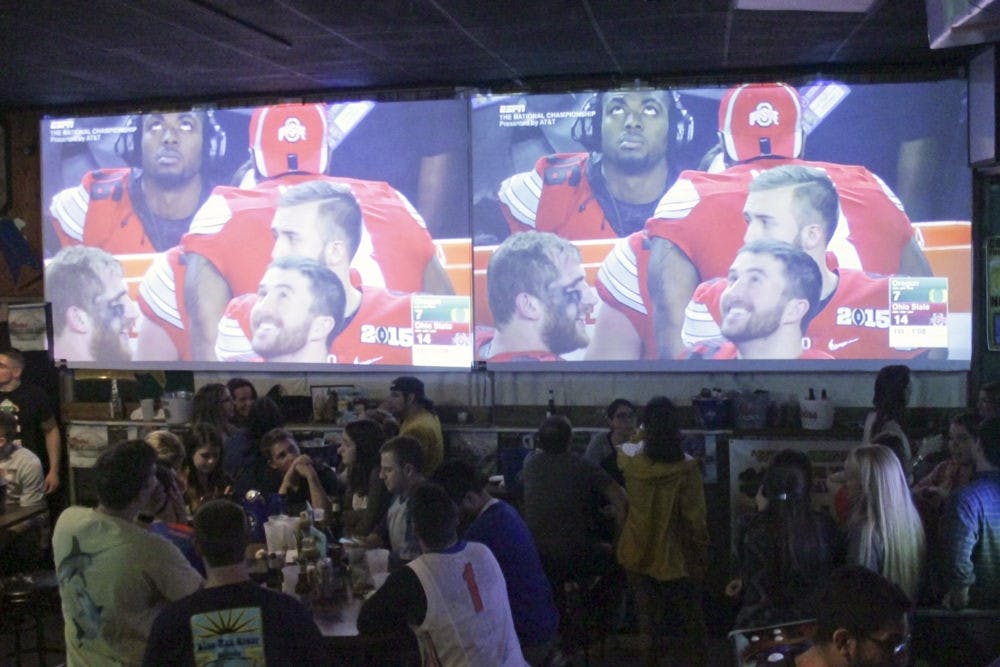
{"x": 15, "y": 515}
{"x": 337, "y": 621}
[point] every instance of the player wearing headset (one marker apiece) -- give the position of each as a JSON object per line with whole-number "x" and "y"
{"x": 698, "y": 225}
{"x": 611, "y": 190}
{"x": 147, "y": 206}
{"x": 185, "y": 292}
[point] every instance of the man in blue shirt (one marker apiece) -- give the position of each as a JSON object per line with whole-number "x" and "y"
{"x": 970, "y": 533}
{"x": 971, "y": 528}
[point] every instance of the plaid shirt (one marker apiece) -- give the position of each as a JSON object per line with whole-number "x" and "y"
{"x": 971, "y": 539}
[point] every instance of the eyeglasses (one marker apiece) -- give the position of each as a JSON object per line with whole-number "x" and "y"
{"x": 894, "y": 645}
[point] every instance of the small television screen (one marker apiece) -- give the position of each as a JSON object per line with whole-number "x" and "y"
{"x": 281, "y": 236}
{"x": 759, "y": 226}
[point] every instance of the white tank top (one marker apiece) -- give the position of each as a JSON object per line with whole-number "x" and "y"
{"x": 468, "y": 621}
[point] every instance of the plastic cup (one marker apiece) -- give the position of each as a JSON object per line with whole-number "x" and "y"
{"x": 148, "y": 407}
{"x": 288, "y": 525}
{"x": 290, "y": 577}
{"x": 378, "y": 578}
{"x": 377, "y": 560}
{"x": 274, "y": 535}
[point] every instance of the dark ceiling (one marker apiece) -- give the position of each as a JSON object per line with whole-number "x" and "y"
{"x": 70, "y": 52}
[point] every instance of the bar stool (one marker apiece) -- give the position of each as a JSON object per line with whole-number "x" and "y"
{"x": 24, "y": 600}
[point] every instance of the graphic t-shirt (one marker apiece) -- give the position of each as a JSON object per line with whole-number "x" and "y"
{"x": 114, "y": 578}
{"x": 31, "y": 406}
{"x": 239, "y": 623}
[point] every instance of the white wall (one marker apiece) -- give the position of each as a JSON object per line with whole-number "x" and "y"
{"x": 947, "y": 390}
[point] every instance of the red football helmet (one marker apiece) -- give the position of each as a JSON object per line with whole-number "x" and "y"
{"x": 289, "y": 137}
{"x": 761, "y": 119}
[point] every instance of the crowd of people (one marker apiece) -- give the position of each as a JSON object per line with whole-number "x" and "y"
{"x": 621, "y": 529}
{"x": 188, "y": 489}
{"x": 932, "y": 531}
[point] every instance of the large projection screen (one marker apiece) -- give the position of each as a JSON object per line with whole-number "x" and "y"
{"x": 302, "y": 236}
{"x": 821, "y": 226}
{"x": 651, "y": 196}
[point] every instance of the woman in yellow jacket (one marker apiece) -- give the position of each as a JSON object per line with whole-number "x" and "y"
{"x": 664, "y": 542}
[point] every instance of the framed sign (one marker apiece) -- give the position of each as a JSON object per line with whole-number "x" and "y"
{"x": 992, "y": 265}
{"x": 30, "y": 326}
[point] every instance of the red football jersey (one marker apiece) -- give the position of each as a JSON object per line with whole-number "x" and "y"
{"x": 99, "y": 212}
{"x": 702, "y": 214}
{"x": 379, "y": 333}
{"x": 853, "y": 324}
{"x": 233, "y": 232}
{"x": 556, "y": 197}
{"x": 484, "y": 337}
{"x": 622, "y": 285}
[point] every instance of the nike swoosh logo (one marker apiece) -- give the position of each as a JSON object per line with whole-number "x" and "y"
{"x": 367, "y": 362}
{"x": 833, "y": 346}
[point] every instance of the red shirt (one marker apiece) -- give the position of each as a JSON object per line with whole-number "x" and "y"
{"x": 853, "y": 324}
{"x": 162, "y": 302}
{"x": 556, "y": 196}
{"x": 379, "y": 333}
{"x": 233, "y": 232}
{"x": 484, "y": 337}
{"x": 100, "y": 213}
{"x": 622, "y": 285}
{"x": 702, "y": 214}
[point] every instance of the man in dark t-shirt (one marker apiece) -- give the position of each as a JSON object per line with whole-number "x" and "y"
{"x": 37, "y": 428}
{"x": 302, "y": 479}
{"x": 561, "y": 492}
{"x": 232, "y": 620}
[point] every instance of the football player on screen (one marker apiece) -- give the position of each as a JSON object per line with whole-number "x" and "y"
{"x": 799, "y": 205}
{"x": 321, "y": 220}
{"x": 146, "y": 206}
{"x": 298, "y": 311}
{"x": 92, "y": 313}
{"x": 185, "y": 292}
{"x": 612, "y": 189}
{"x": 793, "y": 204}
{"x": 771, "y": 292}
{"x": 696, "y": 230}
{"x": 539, "y": 299}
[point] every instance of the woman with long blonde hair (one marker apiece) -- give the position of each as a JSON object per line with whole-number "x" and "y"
{"x": 884, "y": 533}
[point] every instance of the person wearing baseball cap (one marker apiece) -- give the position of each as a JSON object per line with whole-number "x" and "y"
{"x": 698, "y": 226}
{"x": 408, "y": 403}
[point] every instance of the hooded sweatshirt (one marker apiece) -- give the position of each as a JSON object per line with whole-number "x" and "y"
{"x": 665, "y": 534}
